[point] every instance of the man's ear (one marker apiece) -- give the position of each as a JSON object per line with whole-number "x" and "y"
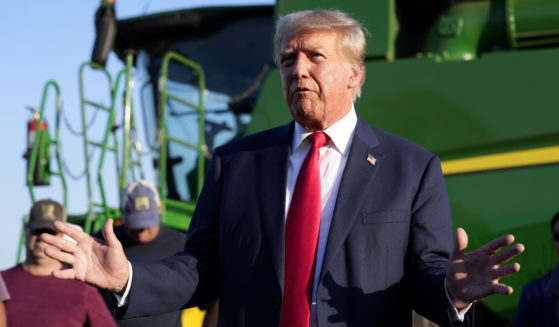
{"x": 356, "y": 72}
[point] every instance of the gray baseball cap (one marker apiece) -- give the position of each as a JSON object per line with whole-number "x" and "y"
{"x": 140, "y": 205}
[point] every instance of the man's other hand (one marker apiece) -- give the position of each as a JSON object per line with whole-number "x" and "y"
{"x": 472, "y": 276}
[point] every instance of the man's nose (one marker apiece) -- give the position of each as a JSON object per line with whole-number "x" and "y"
{"x": 301, "y": 67}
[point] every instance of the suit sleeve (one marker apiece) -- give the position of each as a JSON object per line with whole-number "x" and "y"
{"x": 188, "y": 278}
{"x": 429, "y": 248}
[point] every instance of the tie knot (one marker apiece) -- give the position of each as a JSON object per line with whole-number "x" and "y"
{"x": 318, "y": 139}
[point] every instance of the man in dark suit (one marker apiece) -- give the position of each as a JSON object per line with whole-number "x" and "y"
{"x": 323, "y": 221}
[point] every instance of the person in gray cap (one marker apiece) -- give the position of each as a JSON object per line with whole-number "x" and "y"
{"x": 140, "y": 208}
{"x": 143, "y": 237}
{"x": 39, "y": 299}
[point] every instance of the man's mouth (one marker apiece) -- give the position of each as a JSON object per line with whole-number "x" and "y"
{"x": 301, "y": 90}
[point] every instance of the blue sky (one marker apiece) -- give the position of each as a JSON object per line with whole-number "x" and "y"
{"x": 40, "y": 41}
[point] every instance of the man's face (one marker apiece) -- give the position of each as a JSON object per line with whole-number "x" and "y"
{"x": 143, "y": 235}
{"x": 317, "y": 81}
{"x": 35, "y": 247}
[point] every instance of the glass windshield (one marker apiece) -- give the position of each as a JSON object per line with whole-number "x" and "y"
{"x": 235, "y": 60}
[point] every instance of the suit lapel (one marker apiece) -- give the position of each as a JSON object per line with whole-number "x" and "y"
{"x": 272, "y": 165}
{"x": 358, "y": 175}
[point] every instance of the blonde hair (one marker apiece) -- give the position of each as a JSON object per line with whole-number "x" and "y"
{"x": 353, "y": 44}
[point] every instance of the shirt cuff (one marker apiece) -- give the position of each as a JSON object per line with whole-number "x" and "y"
{"x": 122, "y": 300}
{"x": 457, "y": 315}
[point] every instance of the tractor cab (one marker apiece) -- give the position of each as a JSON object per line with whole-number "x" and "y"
{"x": 204, "y": 106}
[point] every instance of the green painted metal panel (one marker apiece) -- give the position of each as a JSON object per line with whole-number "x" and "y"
{"x": 533, "y": 22}
{"x": 178, "y": 214}
{"x": 466, "y": 107}
{"x": 270, "y": 109}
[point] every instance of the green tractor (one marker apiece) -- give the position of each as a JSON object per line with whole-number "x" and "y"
{"x": 473, "y": 81}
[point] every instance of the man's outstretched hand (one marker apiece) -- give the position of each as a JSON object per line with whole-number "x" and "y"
{"x": 475, "y": 275}
{"x": 93, "y": 261}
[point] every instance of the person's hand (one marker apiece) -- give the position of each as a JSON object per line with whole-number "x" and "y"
{"x": 475, "y": 275}
{"x": 93, "y": 261}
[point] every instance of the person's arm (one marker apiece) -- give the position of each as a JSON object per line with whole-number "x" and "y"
{"x": 3, "y": 319}
{"x": 430, "y": 244}
{"x": 471, "y": 276}
{"x": 189, "y": 278}
{"x": 4, "y": 296}
{"x": 456, "y": 315}
{"x": 95, "y": 262}
{"x": 210, "y": 319}
{"x": 122, "y": 299}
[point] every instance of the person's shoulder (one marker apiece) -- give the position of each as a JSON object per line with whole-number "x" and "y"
{"x": 7, "y": 271}
{"x": 278, "y": 136}
{"x": 171, "y": 232}
{"x": 79, "y": 291}
{"x": 17, "y": 269}
{"x": 6, "y": 274}
{"x": 391, "y": 143}
{"x": 539, "y": 284}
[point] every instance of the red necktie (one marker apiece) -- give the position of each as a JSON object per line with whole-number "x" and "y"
{"x": 301, "y": 238}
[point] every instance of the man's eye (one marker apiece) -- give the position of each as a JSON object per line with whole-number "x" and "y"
{"x": 317, "y": 57}
{"x": 286, "y": 60}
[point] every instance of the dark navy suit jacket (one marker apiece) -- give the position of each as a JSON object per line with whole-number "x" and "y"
{"x": 537, "y": 306}
{"x": 387, "y": 249}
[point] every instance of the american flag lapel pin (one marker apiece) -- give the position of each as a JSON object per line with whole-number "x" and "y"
{"x": 372, "y": 160}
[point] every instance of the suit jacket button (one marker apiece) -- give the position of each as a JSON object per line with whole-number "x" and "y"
{"x": 277, "y": 304}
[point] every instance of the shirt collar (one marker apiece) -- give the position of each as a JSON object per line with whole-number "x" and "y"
{"x": 340, "y": 133}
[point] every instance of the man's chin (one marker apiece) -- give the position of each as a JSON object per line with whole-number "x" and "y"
{"x": 39, "y": 251}
{"x": 304, "y": 112}
{"x": 39, "y": 255}
{"x": 311, "y": 124}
